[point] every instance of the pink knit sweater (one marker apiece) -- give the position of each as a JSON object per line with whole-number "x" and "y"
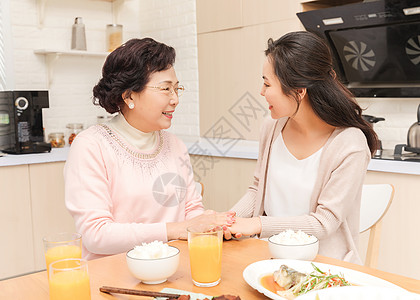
{"x": 120, "y": 197}
{"x": 335, "y": 201}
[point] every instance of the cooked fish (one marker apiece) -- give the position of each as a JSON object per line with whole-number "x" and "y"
{"x": 287, "y": 277}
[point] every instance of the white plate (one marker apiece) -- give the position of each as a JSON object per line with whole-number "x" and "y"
{"x": 360, "y": 293}
{"x": 253, "y": 273}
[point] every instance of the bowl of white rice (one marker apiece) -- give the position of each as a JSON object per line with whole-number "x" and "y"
{"x": 154, "y": 262}
{"x": 291, "y": 244}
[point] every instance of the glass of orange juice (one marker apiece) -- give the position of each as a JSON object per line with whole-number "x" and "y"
{"x": 62, "y": 245}
{"x": 205, "y": 249}
{"x": 69, "y": 279}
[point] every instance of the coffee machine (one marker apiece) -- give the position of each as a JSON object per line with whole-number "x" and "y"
{"x": 21, "y": 128}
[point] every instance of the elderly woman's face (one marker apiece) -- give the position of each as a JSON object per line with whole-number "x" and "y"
{"x": 154, "y": 106}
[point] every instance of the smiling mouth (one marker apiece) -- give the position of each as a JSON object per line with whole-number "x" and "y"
{"x": 167, "y": 114}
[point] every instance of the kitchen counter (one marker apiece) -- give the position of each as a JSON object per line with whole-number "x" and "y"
{"x": 249, "y": 150}
{"x": 394, "y": 166}
{"x": 56, "y": 154}
{"x": 242, "y": 149}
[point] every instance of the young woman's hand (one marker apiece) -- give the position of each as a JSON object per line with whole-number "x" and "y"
{"x": 243, "y": 227}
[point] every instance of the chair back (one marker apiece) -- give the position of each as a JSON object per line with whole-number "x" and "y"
{"x": 376, "y": 200}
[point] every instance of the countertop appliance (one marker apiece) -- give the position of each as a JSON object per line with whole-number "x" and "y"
{"x": 389, "y": 154}
{"x": 413, "y": 138}
{"x": 372, "y": 120}
{"x": 375, "y": 45}
{"x": 21, "y": 129}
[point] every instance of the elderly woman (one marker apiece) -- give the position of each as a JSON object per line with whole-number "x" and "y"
{"x": 128, "y": 181}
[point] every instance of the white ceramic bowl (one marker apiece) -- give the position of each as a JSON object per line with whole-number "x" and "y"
{"x": 302, "y": 252}
{"x": 153, "y": 271}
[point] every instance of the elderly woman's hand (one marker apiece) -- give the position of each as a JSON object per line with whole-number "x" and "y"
{"x": 178, "y": 230}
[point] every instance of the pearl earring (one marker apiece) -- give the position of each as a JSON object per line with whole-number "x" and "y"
{"x": 131, "y": 105}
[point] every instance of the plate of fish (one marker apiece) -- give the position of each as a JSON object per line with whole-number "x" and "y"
{"x": 288, "y": 279}
{"x": 360, "y": 293}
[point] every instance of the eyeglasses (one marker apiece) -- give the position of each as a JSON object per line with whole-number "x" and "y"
{"x": 169, "y": 90}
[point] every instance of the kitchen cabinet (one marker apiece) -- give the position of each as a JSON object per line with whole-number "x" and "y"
{"x": 230, "y": 58}
{"x": 225, "y": 182}
{"x": 49, "y": 214}
{"x": 257, "y": 12}
{"x": 229, "y": 79}
{"x": 31, "y": 206}
{"x": 16, "y": 246}
{"x": 399, "y": 247}
{"x": 214, "y": 15}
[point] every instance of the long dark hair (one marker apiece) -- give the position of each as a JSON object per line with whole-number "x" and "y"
{"x": 303, "y": 60}
{"x": 128, "y": 68}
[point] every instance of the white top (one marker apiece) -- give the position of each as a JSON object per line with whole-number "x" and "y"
{"x": 290, "y": 181}
{"x": 141, "y": 140}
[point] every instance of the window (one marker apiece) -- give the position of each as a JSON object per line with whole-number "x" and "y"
{"x": 6, "y": 77}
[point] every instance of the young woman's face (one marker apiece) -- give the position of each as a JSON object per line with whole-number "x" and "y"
{"x": 154, "y": 106}
{"x": 279, "y": 104}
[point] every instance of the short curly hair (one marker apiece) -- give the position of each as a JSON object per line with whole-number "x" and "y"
{"x": 128, "y": 68}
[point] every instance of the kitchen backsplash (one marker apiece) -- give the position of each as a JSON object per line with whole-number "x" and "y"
{"x": 399, "y": 115}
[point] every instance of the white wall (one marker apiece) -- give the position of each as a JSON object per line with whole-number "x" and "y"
{"x": 174, "y": 23}
{"x": 72, "y": 76}
{"x": 70, "y": 79}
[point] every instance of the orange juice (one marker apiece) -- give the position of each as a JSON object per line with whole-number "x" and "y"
{"x": 205, "y": 258}
{"x": 62, "y": 252}
{"x": 70, "y": 285}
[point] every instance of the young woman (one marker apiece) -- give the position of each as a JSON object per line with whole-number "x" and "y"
{"x": 128, "y": 181}
{"x": 314, "y": 151}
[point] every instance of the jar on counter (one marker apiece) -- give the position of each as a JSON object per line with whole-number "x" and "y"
{"x": 56, "y": 139}
{"x": 113, "y": 36}
{"x": 74, "y": 129}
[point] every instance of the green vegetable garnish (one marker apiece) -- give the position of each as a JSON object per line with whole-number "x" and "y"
{"x": 318, "y": 280}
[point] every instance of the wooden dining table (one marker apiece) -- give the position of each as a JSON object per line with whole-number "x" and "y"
{"x": 237, "y": 255}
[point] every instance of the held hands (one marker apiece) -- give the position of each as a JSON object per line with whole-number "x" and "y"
{"x": 232, "y": 226}
{"x": 243, "y": 227}
{"x": 179, "y": 230}
{"x": 216, "y": 218}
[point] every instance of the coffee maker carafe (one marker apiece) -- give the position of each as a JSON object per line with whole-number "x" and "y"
{"x": 21, "y": 128}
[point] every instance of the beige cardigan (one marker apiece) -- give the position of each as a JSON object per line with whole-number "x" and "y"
{"x": 335, "y": 201}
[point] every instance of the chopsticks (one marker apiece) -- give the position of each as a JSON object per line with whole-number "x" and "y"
{"x": 115, "y": 290}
